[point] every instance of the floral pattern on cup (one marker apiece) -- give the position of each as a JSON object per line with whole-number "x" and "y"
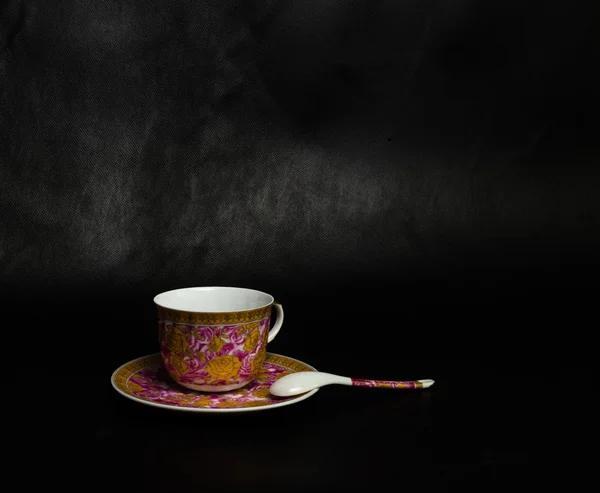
{"x": 213, "y": 355}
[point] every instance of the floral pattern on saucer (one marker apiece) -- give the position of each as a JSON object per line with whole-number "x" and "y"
{"x": 146, "y": 379}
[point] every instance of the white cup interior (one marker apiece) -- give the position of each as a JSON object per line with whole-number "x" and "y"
{"x": 213, "y": 299}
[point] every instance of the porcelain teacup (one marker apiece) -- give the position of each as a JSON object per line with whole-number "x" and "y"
{"x": 214, "y": 338}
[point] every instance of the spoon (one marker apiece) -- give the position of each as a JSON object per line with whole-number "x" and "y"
{"x": 303, "y": 381}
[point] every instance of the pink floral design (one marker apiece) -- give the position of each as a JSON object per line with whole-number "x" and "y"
{"x": 219, "y": 355}
{"x": 358, "y": 382}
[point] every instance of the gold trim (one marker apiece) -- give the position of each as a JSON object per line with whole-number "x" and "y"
{"x": 287, "y": 363}
{"x": 123, "y": 374}
{"x": 213, "y": 318}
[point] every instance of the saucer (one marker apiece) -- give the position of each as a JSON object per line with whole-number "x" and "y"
{"x": 145, "y": 380}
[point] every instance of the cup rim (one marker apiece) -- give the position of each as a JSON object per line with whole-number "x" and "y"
{"x": 272, "y": 299}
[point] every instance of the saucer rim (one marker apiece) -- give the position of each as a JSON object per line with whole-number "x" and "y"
{"x": 172, "y": 407}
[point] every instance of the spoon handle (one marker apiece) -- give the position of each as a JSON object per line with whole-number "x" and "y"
{"x": 388, "y": 384}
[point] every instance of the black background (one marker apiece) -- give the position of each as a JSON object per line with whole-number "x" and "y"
{"x": 416, "y": 182}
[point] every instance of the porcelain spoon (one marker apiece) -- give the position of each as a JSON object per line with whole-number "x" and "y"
{"x": 304, "y": 381}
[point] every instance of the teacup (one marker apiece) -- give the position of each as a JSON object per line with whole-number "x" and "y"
{"x": 214, "y": 339}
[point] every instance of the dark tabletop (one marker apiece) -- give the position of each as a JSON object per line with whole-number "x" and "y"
{"x": 514, "y": 409}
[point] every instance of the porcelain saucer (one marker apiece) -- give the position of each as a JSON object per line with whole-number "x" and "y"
{"x": 144, "y": 380}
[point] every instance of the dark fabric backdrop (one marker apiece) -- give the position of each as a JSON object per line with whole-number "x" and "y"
{"x": 441, "y": 153}
{"x": 415, "y": 180}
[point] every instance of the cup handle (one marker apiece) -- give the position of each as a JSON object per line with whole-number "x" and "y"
{"x": 278, "y": 322}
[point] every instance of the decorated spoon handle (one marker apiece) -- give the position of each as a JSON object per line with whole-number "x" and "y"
{"x": 388, "y": 384}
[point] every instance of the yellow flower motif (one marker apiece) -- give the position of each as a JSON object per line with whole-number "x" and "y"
{"x": 216, "y": 344}
{"x": 262, "y": 376}
{"x": 178, "y": 364}
{"x": 223, "y": 367}
{"x": 134, "y": 387}
{"x": 244, "y": 329}
{"x": 262, "y": 393}
{"x": 177, "y": 341}
{"x": 257, "y": 362}
{"x": 227, "y": 403}
{"x": 202, "y": 401}
{"x": 252, "y": 340}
